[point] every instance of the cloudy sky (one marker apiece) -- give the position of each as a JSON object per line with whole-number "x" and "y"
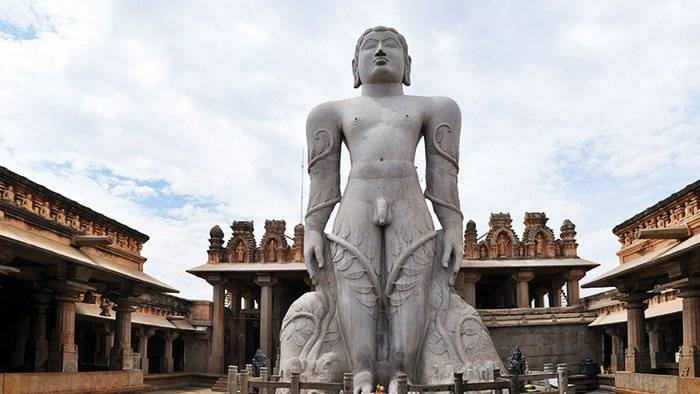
{"x": 174, "y": 116}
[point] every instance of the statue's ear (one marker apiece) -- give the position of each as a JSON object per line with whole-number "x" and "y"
{"x": 407, "y": 72}
{"x": 355, "y": 74}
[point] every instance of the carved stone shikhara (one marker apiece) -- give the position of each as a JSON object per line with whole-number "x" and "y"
{"x": 384, "y": 301}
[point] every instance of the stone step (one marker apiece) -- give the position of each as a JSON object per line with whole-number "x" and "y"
{"x": 221, "y": 385}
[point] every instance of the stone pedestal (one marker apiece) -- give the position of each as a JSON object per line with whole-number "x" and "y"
{"x": 522, "y": 292}
{"x": 689, "y": 362}
{"x": 572, "y": 286}
{"x": 637, "y": 354}
{"x": 63, "y": 353}
{"x": 266, "y": 282}
{"x": 121, "y": 358}
{"x": 470, "y": 279}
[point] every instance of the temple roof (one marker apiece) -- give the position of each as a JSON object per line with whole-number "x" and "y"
{"x": 693, "y": 187}
{"x": 93, "y": 311}
{"x": 82, "y": 210}
{"x": 247, "y": 267}
{"x": 54, "y": 248}
{"x": 529, "y": 263}
{"x": 642, "y": 266}
{"x": 654, "y": 310}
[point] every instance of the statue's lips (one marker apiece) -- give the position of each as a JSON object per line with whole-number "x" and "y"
{"x": 381, "y": 61}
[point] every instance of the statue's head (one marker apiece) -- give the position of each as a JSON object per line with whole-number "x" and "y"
{"x": 381, "y": 56}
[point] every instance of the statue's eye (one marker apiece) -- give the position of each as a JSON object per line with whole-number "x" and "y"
{"x": 391, "y": 44}
{"x": 370, "y": 44}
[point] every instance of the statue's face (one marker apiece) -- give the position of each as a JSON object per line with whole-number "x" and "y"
{"x": 381, "y": 58}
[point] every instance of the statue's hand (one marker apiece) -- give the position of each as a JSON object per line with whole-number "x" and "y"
{"x": 452, "y": 250}
{"x": 313, "y": 252}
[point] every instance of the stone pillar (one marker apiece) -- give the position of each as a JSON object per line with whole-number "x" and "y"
{"x": 539, "y": 297}
{"x": 554, "y": 293}
{"x": 107, "y": 341}
{"x": 39, "y": 344}
{"x": 144, "y": 333}
{"x": 637, "y": 353}
{"x": 235, "y": 305}
{"x": 216, "y": 353}
{"x": 19, "y": 352}
{"x": 168, "y": 351}
{"x": 121, "y": 355}
{"x": 689, "y": 362}
{"x": 655, "y": 355}
{"x": 470, "y": 279}
{"x": 266, "y": 282}
{"x": 522, "y": 292}
{"x": 617, "y": 355}
{"x": 572, "y": 286}
{"x": 63, "y": 354}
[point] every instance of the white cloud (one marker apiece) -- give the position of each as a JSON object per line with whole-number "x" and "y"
{"x": 585, "y": 111}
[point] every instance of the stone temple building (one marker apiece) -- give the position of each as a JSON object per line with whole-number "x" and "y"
{"x": 650, "y": 322}
{"x": 76, "y": 299}
{"x": 73, "y": 287}
{"x": 525, "y": 288}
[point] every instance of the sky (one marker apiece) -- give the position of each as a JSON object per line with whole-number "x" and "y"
{"x": 174, "y": 116}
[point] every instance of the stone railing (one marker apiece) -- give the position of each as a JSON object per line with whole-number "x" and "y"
{"x": 242, "y": 383}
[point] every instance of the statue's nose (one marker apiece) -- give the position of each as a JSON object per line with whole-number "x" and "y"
{"x": 380, "y": 52}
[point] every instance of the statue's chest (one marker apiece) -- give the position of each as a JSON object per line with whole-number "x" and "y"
{"x": 380, "y": 121}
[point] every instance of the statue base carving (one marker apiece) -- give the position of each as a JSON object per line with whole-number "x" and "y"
{"x": 454, "y": 339}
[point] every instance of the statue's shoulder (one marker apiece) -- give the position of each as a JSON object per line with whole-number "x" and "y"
{"x": 436, "y": 104}
{"x": 324, "y": 109}
{"x": 328, "y": 111}
{"x": 443, "y": 104}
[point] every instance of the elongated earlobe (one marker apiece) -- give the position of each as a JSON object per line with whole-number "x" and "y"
{"x": 355, "y": 75}
{"x": 407, "y": 72}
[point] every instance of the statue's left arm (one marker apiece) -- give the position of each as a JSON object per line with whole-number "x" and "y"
{"x": 442, "y": 166}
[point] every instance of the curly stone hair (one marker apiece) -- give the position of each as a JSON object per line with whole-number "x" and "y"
{"x": 407, "y": 59}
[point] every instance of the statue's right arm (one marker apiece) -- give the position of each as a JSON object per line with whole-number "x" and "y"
{"x": 323, "y": 138}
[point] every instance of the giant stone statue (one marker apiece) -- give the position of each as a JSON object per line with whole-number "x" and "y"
{"x": 384, "y": 301}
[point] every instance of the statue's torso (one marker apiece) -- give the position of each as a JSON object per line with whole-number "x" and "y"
{"x": 381, "y": 135}
{"x": 382, "y": 129}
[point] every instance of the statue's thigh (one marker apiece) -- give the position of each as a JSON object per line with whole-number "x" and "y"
{"x": 410, "y": 251}
{"x": 355, "y": 252}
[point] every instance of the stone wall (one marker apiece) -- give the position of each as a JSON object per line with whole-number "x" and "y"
{"x": 557, "y": 343}
{"x": 196, "y": 352}
{"x": 633, "y": 383}
{"x": 72, "y": 382}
